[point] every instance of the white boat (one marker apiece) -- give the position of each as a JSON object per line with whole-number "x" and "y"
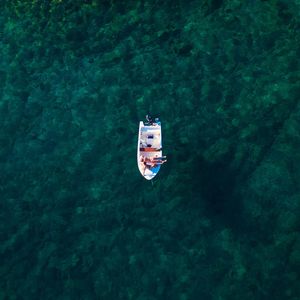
{"x": 149, "y": 149}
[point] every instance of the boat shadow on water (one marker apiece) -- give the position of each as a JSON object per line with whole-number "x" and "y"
{"x": 218, "y": 186}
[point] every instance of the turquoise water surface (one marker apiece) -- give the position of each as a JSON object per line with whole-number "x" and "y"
{"x": 221, "y": 219}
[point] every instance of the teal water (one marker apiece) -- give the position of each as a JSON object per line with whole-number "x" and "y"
{"x": 221, "y": 220}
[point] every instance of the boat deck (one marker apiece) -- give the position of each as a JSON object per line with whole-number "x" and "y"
{"x": 149, "y": 146}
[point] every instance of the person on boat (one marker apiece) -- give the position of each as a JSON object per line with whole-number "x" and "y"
{"x": 146, "y": 165}
{"x": 159, "y": 158}
{"x": 159, "y": 162}
{"x": 149, "y": 120}
{"x": 153, "y": 161}
{"x": 147, "y": 162}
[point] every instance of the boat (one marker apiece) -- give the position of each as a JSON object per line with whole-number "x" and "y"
{"x": 149, "y": 148}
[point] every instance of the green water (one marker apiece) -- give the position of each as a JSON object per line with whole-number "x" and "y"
{"x": 221, "y": 220}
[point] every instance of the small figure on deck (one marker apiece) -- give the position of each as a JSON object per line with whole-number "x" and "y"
{"x": 161, "y": 158}
{"x": 149, "y": 120}
{"x": 152, "y": 162}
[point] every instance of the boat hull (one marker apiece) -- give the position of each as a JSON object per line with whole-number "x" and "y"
{"x": 149, "y": 146}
